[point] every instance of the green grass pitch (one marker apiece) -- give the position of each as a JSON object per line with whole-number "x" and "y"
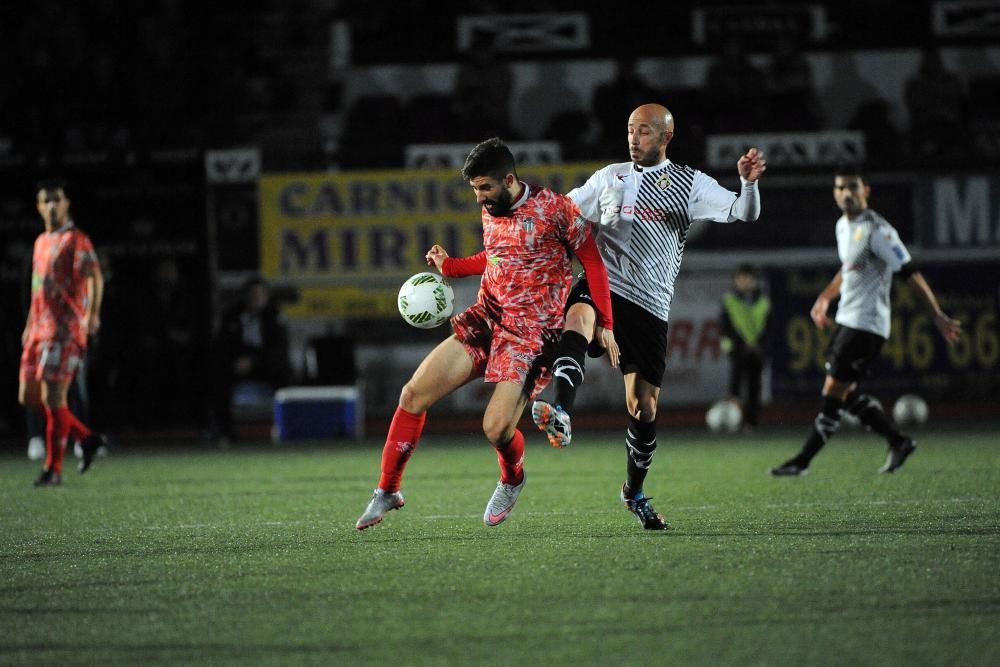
{"x": 250, "y": 556}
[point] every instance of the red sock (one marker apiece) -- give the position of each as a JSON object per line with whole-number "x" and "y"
{"x": 56, "y": 432}
{"x": 511, "y": 458}
{"x": 404, "y": 432}
{"x": 77, "y": 428}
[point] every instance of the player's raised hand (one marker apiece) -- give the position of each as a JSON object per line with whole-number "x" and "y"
{"x": 606, "y": 339}
{"x": 435, "y": 256}
{"x": 752, "y": 165}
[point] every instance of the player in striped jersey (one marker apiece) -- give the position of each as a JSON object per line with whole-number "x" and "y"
{"x": 641, "y": 211}
{"x": 870, "y": 253}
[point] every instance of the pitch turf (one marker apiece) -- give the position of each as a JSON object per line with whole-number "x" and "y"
{"x": 250, "y": 556}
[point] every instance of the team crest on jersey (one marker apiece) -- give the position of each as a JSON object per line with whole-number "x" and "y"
{"x": 664, "y": 182}
{"x": 528, "y": 224}
{"x": 858, "y": 234}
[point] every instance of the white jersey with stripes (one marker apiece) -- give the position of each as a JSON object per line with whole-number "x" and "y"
{"x": 870, "y": 252}
{"x": 643, "y": 242}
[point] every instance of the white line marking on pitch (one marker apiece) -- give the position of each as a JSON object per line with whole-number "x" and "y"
{"x": 702, "y": 508}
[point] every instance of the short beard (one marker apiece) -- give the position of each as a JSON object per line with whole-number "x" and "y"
{"x": 502, "y": 207}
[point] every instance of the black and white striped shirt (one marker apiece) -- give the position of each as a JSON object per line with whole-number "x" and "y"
{"x": 642, "y": 242}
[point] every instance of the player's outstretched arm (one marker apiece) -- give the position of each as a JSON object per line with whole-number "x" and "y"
{"x": 746, "y": 207}
{"x": 950, "y": 329}
{"x": 456, "y": 267}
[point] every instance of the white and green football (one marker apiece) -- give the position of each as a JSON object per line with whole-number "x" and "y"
{"x": 426, "y": 300}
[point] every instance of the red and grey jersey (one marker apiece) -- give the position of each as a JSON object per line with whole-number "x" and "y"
{"x": 870, "y": 252}
{"x": 528, "y": 263}
{"x": 642, "y": 243}
{"x": 61, "y": 263}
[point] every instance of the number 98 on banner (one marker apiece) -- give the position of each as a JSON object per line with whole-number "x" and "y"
{"x": 426, "y": 300}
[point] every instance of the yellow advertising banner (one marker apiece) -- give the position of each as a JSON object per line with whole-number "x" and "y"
{"x": 347, "y": 240}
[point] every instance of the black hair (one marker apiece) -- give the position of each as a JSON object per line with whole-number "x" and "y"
{"x": 747, "y": 269}
{"x": 49, "y": 184}
{"x": 851, "y": 171}
{"x": 491, "y": 158}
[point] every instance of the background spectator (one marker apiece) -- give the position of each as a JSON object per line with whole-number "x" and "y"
{"x": 251, "y": 347}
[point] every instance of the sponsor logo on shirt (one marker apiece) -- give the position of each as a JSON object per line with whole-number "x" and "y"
{"x": 644, "y": 212}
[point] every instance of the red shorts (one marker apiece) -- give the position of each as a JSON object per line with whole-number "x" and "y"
{"x": 500, "y": 355}
{"x": 50, "y": 360}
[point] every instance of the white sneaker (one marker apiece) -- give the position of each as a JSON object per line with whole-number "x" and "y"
{"x": 502, "y": 502}
{"x": 36, "y": 448}
{"x": 554, "y": 421}
{"x": 380, "y": 503}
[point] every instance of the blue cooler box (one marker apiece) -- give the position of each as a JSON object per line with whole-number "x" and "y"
{"x": 311, "y": 413}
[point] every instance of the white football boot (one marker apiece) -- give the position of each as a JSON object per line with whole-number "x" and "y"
{"x": 502, "y": 502}
{"x": 380, "y": 503}
{"x": 36, "y": 448}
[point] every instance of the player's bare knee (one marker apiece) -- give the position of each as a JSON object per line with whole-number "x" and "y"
{"x": 53, "y": 401}
{"x": 646, "y": 413}
{"x": 837, "y": 388}
{"x": 411, "y": 400}
{"x": 581, "y": 319}
{"x": 497, "y": 431}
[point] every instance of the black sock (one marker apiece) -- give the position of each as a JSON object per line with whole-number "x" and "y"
{"x": 824, "y": 426}
{"x": 873, "y": 417}
{"x": 640, "y": 444}
{"x": 568, "y": 368}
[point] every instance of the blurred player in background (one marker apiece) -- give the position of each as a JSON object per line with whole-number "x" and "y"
{"x": 642, "y": 210}
{"x": 66, "y": 292}
{"x": 509, "y": 336}
{"x": 78, "y": 397}
{"x": 746, "y": 313}
{"x": 870, "y": 253}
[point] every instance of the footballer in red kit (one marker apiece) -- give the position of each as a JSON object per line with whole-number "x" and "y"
{"x": 66, "y": 291}
{"x": 509, "y": 336}
{"x": 513, "y": 328}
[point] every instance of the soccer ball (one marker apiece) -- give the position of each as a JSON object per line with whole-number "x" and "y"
{"x": 724, "y": 417}
{"x": 426, "y": 300}
{"x": 910, "y": 410}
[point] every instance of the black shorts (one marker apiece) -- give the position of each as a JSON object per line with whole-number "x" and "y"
{"x": 851, "y": 353}
{"x": 641, "y": 336}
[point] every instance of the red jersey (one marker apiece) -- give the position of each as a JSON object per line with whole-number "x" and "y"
{"x": 529, "y": 267}
{"x": 61, "y": 263}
